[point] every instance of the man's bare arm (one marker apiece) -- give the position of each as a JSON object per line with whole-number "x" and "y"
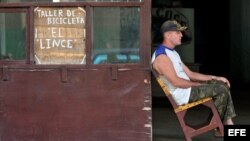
{"x": 164, "y": 66}
{"x": 195, "y": 76}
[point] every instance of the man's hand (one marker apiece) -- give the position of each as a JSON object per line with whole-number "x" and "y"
{"x": 223, "y": 79}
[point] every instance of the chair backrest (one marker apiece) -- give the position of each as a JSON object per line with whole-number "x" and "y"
{"x": 165, "y": 89}
{"x": 176, "y": 107}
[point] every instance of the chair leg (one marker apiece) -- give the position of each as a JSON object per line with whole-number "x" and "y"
{"x": 215, "y": 113}
{"x": 189, "y": 132}
{"x": 220, "y": 125}
{"x": 186, "y": 133}
{"x": 184, "y": 127}
{"x": 188, "y": 139}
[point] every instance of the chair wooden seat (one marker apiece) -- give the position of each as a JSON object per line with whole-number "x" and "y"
{"x": 181, "y": 110}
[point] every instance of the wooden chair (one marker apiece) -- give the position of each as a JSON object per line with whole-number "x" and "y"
{"x": 214, "y": 122}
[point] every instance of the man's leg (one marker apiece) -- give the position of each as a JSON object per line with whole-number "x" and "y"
{"x": 221, "y": 96}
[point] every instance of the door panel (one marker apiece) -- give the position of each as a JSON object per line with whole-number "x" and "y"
{"x": 88, "y": 105}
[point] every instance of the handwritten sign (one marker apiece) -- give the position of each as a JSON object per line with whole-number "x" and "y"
{"x": 60, "y": 35}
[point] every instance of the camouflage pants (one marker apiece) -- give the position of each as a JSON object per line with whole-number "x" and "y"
{"x": 220, "y": 94}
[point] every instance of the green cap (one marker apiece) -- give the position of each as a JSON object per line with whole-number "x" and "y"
{"x": 172, "y": 25}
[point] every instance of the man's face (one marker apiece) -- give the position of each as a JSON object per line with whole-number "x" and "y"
{"x": 174, "y": 37}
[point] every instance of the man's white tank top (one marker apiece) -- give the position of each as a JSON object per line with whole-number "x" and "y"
{"x": 180, "y": 95}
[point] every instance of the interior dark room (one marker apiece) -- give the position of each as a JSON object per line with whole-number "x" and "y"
{"x": 220, "y": 48}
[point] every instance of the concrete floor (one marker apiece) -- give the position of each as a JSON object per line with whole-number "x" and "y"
{"x": 167, "y": 128}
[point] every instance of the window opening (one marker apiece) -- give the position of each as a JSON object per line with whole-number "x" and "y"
{"x": 116, "y": 35}
{"x": 12, "y": 36}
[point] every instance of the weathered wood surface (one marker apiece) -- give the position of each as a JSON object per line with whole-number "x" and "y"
{"x": 60, "y": 35}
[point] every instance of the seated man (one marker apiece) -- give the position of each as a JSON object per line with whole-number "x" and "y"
{"x": 185, "y": 85}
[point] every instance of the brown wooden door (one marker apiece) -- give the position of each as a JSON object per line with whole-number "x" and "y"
{"x": 75, "y": 105}
{"x": 82, "y": 101}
